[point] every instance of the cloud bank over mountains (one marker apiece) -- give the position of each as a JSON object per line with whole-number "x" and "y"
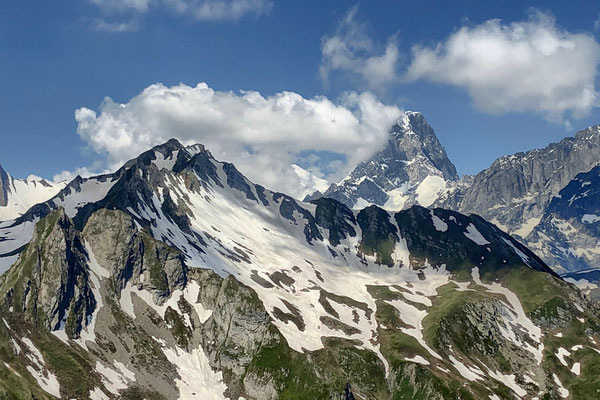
{"x": 263, "y": 136}
{"x": 529, "y": 66}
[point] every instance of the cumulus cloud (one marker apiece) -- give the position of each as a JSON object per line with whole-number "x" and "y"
{"x": 198, "y": 9}
{"x": 262, "y": 136}
{"x": 351, "y": 51}
{"x": 525, "y": 66}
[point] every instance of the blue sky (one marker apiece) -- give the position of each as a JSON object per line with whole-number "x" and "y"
{"x": 57, "y": 57}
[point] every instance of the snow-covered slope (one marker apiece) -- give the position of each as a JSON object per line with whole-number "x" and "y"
{"x": 206, "y": 282}
{"x": 413, "y": 168}
{"x": 18, "y": 195}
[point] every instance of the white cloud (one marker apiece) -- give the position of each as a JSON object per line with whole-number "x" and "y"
{"x": 198, "y": 9}
{"x": 525, "y": 66}
{"x": 122, "y": 5}
{"x": 220, "y": 9}
{"x": 351, "y": 51}
{"x": 68, "y": 176}
{"x": 262, "y": 136}
{"x": 597, "y": 23}
{"x": 114, "y": 26}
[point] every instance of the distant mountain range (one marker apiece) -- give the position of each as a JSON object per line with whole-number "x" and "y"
{"x": 519, "y": 193}
{"x": 177, "y": 277}
{"x": 18, "y": 195}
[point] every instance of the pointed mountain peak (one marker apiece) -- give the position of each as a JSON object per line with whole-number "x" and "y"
{"x": 412, "y": 168}
{"x": 411, "y": 122}
{"x": 173, "y": 145}
{"x": 412, "y": 137}
{"x": 408, "y": 117}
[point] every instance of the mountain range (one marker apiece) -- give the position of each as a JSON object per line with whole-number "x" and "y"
{"x": 519, "y": 193}
{"x": 18, "y": 195}
{"x": 177, "y": 277}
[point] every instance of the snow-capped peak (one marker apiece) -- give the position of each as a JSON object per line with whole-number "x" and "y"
{"x": 309, "y": 182}
{"x": 412, "y": 168}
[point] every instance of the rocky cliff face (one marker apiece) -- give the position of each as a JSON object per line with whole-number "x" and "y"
{"x": 50, "y": 282}
{"x": 515, "y": 190}
{"x": 568, "y": 234}
{"x": 3, "y": 187}
{"x": 188, "y": 280}
{"x": 412, "y": 168}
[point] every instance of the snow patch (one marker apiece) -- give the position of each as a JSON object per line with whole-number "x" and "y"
{"x": 430, "y": 189}
{"x": 115, "y": 379}
{"x": 561, "y": 354}
{"x": 98, "y": 394}
{"x": 438, "y": 223}
{"x": 522, "y": 255}
{"x": 528, "y": 226}
{"x": 590, "y": 218}
{"x": 509, "y": 381}
{"x": 516, "y": 319}
{"x": 47, "y": 380}
{"x": 564, "y": 393}
{"x": 190, "y": 293}
{"x": 417, "y": 359}
{"x": 473, "y": 234}
{"x": 197, "y": 379}
{"x": 468, "y": 372}
{"x": 309, "y": 183}
{"x": 582, "y": 284}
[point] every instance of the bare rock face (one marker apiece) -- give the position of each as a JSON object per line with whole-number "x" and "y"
{"x": 515, "y": 190}
{"x": 568, "y": 234}
{"x": 411, "y": 154}
{"x": 236, "y": 330}
{"x": 133, "y": 256}
{"x": 3, "y": 187}
{"x": 50, "y": 281}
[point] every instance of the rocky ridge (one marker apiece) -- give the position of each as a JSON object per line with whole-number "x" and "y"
{"x": 515, "y": 190}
